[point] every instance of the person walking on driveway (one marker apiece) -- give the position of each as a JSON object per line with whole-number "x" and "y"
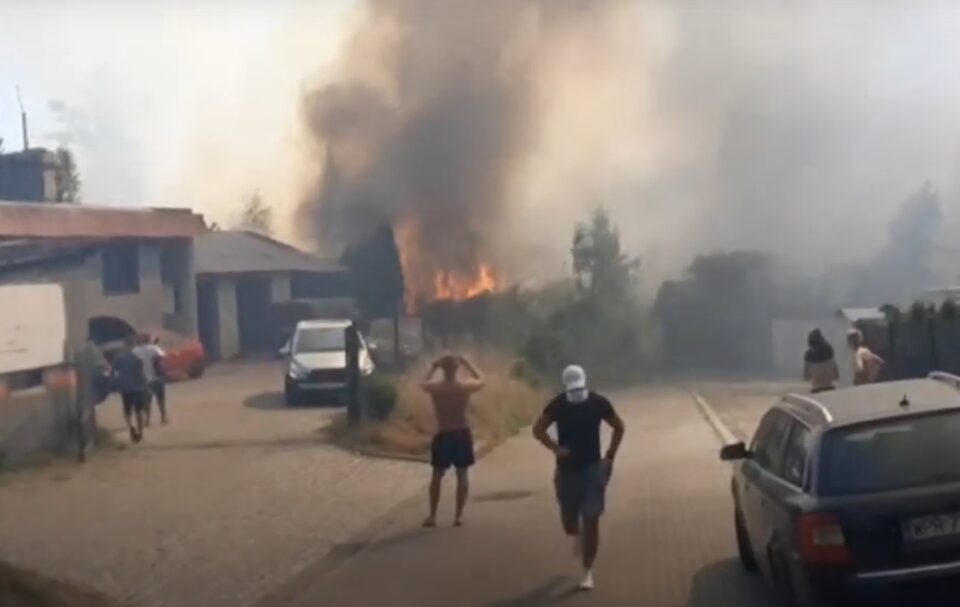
{"x": 132, "y": 385}
{"x": 582, "y": 475}
{"x": 819, "y": 364}
{"x": 151, "y": 354}
{"x": 453, "y": 443}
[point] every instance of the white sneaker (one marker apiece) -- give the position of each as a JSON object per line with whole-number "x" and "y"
{"x": 587, "y": 582}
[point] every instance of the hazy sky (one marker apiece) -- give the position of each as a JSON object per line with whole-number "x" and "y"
{"x": 791, "y": 126}
{"x": 147, "y": 93}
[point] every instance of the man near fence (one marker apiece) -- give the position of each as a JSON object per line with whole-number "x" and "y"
{"x": 866, "y": 364}
{"x": 453, "y": 443}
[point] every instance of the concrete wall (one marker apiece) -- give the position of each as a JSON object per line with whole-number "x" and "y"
{"x": 228, "y": 327}
{"x": 32, "y": 422}
{"x": 280, "y": 289}
{"x": 84, "y": 297}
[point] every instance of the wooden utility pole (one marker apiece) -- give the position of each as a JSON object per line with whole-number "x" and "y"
{"x": 352, "y": 342}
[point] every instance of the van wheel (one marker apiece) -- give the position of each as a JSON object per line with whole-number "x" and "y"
{"x": 744, "y": 550}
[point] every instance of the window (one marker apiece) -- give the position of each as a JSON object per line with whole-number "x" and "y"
{"x": 319, "y": 340}
{"x": 769, "y": 441}
{"x": 892, "y": 454}
{"x": 121, "y": 268}
{"x": 796, "y": 455}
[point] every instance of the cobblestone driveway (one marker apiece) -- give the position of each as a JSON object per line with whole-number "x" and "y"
{"x": 235, "y": 495}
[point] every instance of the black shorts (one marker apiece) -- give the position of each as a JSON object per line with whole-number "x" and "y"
{"x": 133, "y": 401}
{"x": 158, "y": 389}
{"x": 452, "y": 448}
{"x": 581, "y": 492}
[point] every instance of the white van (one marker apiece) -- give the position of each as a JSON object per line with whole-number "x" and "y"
{"x": 33, "y": 327}
{"x": 317, "y": 360}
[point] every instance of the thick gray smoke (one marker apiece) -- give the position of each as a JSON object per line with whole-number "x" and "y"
{"x": 430, "y": 126}
{"x": 796, "y": 129}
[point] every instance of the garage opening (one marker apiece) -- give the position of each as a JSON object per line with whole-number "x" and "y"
{"x": 253, "y": 314}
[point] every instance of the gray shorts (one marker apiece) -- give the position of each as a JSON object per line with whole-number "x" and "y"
{"x": 581, "y": 492}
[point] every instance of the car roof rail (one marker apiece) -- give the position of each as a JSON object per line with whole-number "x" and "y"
{"x": 802, "y": 399}
{"x": 948, "y": 378}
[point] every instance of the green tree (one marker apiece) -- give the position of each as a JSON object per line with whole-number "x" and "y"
{"x": 601, "y": 269}
{"x": 67, "y": 177}
{"x": 255, "y": 215}
{"x": 376, "y": 274}
{"x": 599, "y": 323}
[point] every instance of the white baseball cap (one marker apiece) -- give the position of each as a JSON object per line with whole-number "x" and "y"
{"x": 574, "y": 378}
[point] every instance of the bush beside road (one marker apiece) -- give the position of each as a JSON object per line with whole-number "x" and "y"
{"x": 503, "y": 407}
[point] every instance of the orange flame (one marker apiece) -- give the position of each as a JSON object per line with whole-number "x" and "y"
{"x": 424, "y": 283}
{"x": 454, "y": 285}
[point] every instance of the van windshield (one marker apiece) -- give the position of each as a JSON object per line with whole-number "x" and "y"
{"x": 893, "y": 454}
{"x": 328, "y": 339}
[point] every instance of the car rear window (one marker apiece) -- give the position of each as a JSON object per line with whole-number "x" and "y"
{"x": 893, "y": 454}
{"x": 319, "y": 340}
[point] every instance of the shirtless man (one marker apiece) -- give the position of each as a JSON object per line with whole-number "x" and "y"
{"x": 866, "y": 364}
{"x": 453, "y": 443}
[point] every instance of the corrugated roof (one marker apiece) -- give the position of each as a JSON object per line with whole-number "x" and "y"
{"x": 235, "y": 252}
{"x": 61, "y": 220}
{"x": 18, "y": 253}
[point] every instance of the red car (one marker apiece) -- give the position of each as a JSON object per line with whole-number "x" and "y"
{"x": 184, "y": 357}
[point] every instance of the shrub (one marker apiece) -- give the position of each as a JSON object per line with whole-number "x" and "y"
{"x": 948, "y": 310}
{"x": 379, "y": 397}
{"x": 919, "y": 311}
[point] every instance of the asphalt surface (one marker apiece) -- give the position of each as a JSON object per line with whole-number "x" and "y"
{"x": 667, "y": 538}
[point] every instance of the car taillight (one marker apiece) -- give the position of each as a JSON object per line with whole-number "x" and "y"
{"x": 822, "y": 541}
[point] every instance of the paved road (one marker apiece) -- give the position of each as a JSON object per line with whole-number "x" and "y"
{"x": 741, "y": 404}
{"x": 213, "y": 510}
{"x": 667, "y": 539}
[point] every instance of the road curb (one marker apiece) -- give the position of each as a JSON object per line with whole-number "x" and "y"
{"x": 722, "y": 431}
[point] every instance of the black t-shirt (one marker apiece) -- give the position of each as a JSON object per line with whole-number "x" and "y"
{"x": 578, "y": 428}
{"x": 128, "y": 369}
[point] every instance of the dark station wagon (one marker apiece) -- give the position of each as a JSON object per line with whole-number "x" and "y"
{"x": 853, "y": 492}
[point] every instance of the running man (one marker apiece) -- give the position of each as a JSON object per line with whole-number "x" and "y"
{"x": 866, "y": 364}
{"x": 581, "y": 477}
{"x": 132, "y": 384}
{"x": 453, "y": 443}
{"x": 152, "y": 354}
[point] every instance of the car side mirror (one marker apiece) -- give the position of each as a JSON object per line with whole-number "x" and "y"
{"x": 734, "y": 452}
{"x": 284, "y": 352}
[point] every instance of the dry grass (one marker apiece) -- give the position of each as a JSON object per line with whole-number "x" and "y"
{"x": 501, "y": 409}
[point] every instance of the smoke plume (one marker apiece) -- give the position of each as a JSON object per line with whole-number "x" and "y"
{"x": 432, "y": 125}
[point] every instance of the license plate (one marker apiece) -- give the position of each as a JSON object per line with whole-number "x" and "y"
{"x": 929, "y": 527}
